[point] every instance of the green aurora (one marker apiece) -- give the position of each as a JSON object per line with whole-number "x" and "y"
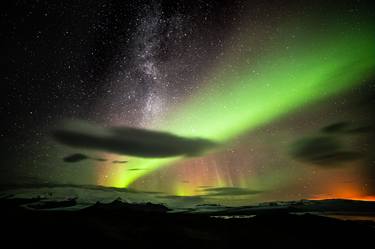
{"x": 315, "y": 65}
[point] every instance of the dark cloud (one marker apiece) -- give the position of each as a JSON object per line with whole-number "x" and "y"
{"x": 182, "y": 201}
{"x": 205, "y": 186}
{"x": 346, "y": 127}
{"x": 361, "y": 129}
{"x": 231, "y": 191}
{"x": 75, "y": 158}
{"x": 336, "y": 127}
{"x": 323, "y": 150}
{"x": 78, "y": 157}
{"x": 131, "y": 141}
{"x": 117, "y": 161}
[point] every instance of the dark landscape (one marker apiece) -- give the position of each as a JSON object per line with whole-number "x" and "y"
{"x": 282, "y": 225}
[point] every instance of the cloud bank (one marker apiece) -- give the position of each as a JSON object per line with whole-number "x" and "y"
{"x": 130, "y": 141}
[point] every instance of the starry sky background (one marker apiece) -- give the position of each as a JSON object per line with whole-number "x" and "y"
{"x": 142, "y": 63}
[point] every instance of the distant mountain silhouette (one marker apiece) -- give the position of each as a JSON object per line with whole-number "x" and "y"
{"x": 120, "y": 205}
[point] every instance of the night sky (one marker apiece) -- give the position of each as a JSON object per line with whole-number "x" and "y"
{"x": 284, "y": 89}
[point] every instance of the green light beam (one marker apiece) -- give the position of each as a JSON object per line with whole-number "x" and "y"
{"x": 283, "y": 81}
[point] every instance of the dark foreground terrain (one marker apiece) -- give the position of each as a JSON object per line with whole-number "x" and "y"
{"x": 151, "y": 226}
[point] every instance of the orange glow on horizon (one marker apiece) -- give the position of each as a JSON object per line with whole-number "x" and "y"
{"x": 349, "y": 194}
{"x": 354, "y": 198}
{"x": 352, "y": 191}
